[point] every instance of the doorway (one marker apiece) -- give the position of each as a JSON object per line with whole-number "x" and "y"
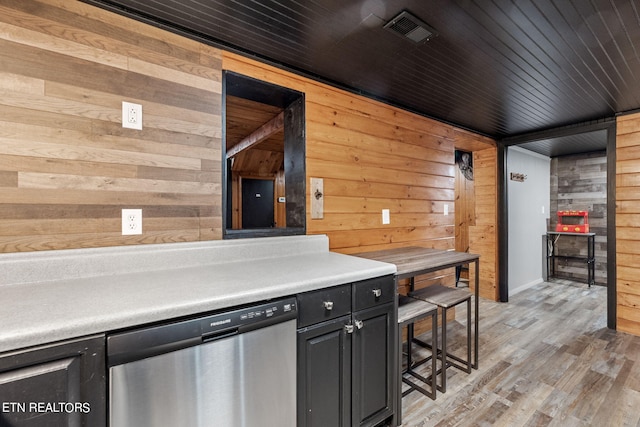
{"x": 263, "y": 159}
{"x": 600, "y": 133}
{"x": 257, "y": 203}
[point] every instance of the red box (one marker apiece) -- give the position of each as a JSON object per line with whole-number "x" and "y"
{"x": 573, "y": 221}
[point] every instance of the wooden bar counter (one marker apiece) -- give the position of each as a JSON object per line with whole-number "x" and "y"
{"x": 414, "y": 261}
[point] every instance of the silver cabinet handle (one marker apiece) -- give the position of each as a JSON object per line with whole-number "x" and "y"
{"x": 359, "y": 324}
{"x": 328, "y": 305}
{"x": 377, "y": 293}
{"x": 348, "y": 328}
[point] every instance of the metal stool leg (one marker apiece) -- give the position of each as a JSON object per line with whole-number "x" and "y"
{"x": 464, "y": 365}
{"x": 409, "y": 342}
{"x": 403, "y": 375}
{"x": 469, "y": 364}
{"x": 443, "y": 375}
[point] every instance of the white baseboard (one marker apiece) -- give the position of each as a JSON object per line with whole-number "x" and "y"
{"x": 513, "y": 291}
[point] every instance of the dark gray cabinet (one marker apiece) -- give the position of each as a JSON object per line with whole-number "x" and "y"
{"x": 372, "y": 356}
{"x": 324, "y": 374}
{"x": 346, "y": 354}
{"x": 54, "y": 385}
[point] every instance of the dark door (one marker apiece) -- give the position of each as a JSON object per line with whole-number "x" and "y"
{"x": 257, "y": 203}
{"x": 324, "y": 374}
{"x": 55, "y": 385}
{"x": 373, "y": 364}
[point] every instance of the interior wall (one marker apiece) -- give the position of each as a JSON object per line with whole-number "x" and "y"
{"x": 579, "y": 182}
{"x": 67, "y": 167}
{"x": 483, "y": 236}
{"x": 528, "y": 214}
{"x": 372, "y": 156}
{"x": 465, "y": 209}
{"x": 627, "y": 224}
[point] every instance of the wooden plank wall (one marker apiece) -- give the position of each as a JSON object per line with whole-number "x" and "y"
{"x": 579, "y": 182}
{"x": 465, "y": 210}
{"x": 628, "y": 223}
{"x": 372, "y": 156}
{"x": 67, "y": 167}
{"x": 483, "y": 236}
{"x": 465, "y": 214}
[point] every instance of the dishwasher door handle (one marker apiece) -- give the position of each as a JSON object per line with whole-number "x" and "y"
{"x": 218, "y": 335}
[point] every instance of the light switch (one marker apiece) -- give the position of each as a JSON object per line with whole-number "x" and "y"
{"x": 385, "y": 216}
{"x": 446, "y": 209}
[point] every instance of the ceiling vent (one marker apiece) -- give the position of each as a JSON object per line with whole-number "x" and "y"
{"x": 410, "y": 27}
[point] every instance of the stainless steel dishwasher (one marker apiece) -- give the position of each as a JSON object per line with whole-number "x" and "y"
{"x": 236, "y": 368}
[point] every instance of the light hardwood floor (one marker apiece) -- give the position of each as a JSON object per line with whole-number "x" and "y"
{"x": 546, "y": 359}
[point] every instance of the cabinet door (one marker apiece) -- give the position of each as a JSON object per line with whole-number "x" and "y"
{"x": 373, "y": 364}
{"x": 324, "y": 374}
{"x": 56, "y": 385}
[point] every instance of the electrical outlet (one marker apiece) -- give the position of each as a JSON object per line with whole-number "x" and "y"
{"x": 131, "y": 221}
{"x": 131, "y": 115}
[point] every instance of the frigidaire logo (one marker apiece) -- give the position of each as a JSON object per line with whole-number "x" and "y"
{"x": 220, "y": 322}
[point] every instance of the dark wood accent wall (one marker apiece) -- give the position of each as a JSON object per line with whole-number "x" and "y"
{"x": 627, "y": 223}
{"x": 579, "y": 182}
{"x": 67, "y": 167}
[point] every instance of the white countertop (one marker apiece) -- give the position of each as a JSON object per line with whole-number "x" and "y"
{"x": 58, "y": 295}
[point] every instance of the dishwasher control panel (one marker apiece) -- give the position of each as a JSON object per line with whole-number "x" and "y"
{"x": 135, "y": 344}
{"x": 255, "y": 316}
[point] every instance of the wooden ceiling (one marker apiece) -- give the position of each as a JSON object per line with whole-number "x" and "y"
{"x": 498, "y": 67}
{"x": 243, "y": 118}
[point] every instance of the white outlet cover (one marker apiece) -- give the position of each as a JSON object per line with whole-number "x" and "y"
{"x": 131, "y": 115}
{"x": 131, "y": 222}
{"x": 385, "y": 216}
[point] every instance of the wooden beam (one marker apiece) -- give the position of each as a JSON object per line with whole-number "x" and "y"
{"x": 256, "y": 137}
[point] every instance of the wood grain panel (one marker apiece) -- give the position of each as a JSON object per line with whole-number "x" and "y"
{"x": 356, "y": 154}
{"x": 483, "y": 236}
{"x": 341, "y": 204}
{"x": 627, "y": 246}
{"x": 627, "y": 229}
{"x": 67, "y": 167}
{"x": 372, "y": 173}
{"x": 465, "y": 210}
{"x": 629, "y": 288}
{"x": 8, "y": 179}
{"x": 580, "y": 183}
{"x": 401, "y": 192}
{"x": 630, "y": 233}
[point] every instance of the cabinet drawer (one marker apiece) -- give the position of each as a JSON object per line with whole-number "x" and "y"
{"x": 371, "y": 292}
{"x": 323, "y": 304}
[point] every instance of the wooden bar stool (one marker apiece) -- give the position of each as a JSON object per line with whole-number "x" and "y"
{"x": 410, "y": 310}
{"x": 446, "y": 298}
